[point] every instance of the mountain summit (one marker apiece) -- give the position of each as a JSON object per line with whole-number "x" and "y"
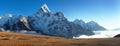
{"x": 47, "y": 23}
{"x": 45, "y": 8}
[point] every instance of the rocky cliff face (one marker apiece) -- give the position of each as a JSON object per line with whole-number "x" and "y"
{"x": 17, "y": 23}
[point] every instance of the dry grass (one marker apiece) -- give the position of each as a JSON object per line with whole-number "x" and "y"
{"x": 14, "y": 39}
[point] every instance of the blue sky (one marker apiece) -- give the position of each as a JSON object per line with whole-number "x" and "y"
{"x": 104, "y": 12}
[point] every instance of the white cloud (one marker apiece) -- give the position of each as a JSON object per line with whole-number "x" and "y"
{"x": 100, "y": 34}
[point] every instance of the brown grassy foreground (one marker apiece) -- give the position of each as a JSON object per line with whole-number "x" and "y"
{"x": 14, "y": 39}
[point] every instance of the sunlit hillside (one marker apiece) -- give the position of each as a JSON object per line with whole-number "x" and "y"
{"x": 14, "y": 39}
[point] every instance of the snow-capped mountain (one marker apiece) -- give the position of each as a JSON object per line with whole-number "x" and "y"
{"x": 47, "y": 23}
{"x": 50, "y": 23}
{"x": 93, "y": 26}
{"x": 4, "y": 19}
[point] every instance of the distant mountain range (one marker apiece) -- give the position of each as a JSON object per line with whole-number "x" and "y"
{"x": 47, "y": 23}
{"x": 117, "y": 29}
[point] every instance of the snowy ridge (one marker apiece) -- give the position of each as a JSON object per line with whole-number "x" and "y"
{"x": 93, "y": 26}
{"x": 81, "y": 23}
